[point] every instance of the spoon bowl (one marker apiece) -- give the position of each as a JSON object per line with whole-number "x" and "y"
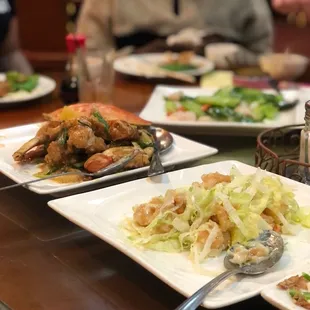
{"x": 270, "y": 239}
{"x": 283, "y": 105}
{"x": 164, "y": 138}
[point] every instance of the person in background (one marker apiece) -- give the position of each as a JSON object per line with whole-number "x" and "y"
{"x": 11, "y": 57}
{"x": 245, "y": 24}
{"x": 292, "y": 6}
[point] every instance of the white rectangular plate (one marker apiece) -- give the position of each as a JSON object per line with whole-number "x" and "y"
{"x": 101, "y": 212}
{"x": 183, "y": 150}
{"x": 280, "y": 298}
{"x": 154, "y": 111}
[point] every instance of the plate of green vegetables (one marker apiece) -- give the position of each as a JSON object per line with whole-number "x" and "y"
{"x": 228, "y": 110}
{"x": 16, "y": 87}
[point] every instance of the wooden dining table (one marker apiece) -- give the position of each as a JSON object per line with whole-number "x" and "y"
{"x": 47, "y": 262}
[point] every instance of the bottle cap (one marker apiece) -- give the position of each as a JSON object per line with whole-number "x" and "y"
{"x": 71, "y": 44}
{"x": 81, "y": 40}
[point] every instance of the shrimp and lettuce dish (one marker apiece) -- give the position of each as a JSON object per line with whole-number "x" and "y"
{"x": 237, "y": 104}
{"x": 87, "y": 137}
{"x": 210, "y": 216}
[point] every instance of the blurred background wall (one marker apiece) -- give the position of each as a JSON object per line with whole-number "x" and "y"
{"x": 43, "y": 25}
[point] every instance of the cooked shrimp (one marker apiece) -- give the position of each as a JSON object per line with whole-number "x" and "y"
{"x": 56, "y": 154}
{"x": 218, "y": 243}
{"x": 183, "y": 116}
{"x": 211, "y": 179}
{"x": 144, "y": 214}
{"x": 180, "y": 201}
{"x": 222, "y": 219}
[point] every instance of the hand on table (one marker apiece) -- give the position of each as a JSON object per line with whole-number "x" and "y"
{"x": 291, "y": 6}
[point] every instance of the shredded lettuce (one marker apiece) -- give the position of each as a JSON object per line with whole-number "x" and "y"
{"x": 251, "y": 204}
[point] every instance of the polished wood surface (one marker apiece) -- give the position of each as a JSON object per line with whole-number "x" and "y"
{"x": 49, "y": 263}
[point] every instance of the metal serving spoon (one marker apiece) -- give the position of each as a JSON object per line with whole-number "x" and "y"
{"x": 283, "y": 105}
{"x": 163, "y": 142}
{"x": 163, "y": 138}
{"x": 268, "y": 238}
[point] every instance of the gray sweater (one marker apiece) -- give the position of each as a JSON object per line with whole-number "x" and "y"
{"x": 246, "y": 21}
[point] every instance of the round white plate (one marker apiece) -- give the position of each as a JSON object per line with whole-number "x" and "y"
{"x": 45, "y": 86}
{"x": 134, "y": 65}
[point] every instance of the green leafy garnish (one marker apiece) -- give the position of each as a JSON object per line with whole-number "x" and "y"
{"x": 145, "y": 139}
{"x": 176, "y": 66}
{"x": 306, "y": 276}
{"x": 102, "y": 121}
{"x": 170, "y": 106}
{"x": 293, "y": 292}
{"x": 191, "y": 105}
{"x": 62, "y": 139}
{"x": 43, "y": 174}
{"x": 306, "y": 295}
{"x": 19, "y": 81}
{"x": 78, "y": 165}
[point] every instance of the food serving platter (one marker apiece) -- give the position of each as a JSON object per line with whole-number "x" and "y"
{"x": 45, "y": 86}
{"x": 154, "y": 111}
{"x": 101, "y": 212}
{"x": 133, "y": 65}
{"x": 182, "y": 151}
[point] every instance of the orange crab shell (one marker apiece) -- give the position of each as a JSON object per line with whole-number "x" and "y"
{"x": 108, "y": 112}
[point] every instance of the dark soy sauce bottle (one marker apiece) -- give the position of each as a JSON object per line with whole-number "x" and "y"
{"x": 69, "y": 86}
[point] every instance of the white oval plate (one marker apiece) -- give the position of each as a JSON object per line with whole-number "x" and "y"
{"x": 45, "y": 86}
{"x": 130, "y": 65}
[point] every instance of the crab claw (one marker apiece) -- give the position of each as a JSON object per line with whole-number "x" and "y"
{"x": 20, "y": 153}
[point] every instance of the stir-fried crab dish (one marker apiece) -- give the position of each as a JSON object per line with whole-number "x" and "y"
{"x": 88, "y": 140}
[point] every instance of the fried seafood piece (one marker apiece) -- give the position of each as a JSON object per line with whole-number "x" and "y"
{"x": 297, "y": 282}
{"x": 48, "y": 132}
{"x": 5, "y": 88}
{"x": 81, "y": 136}
{"x": 144, "y": 214}
{"x": 114, "y": 130}
{"x": 111, "y": 155}
{"x": 222, "y": 219}
{"x": 211, "y": 179}
{"x": 221, "y": 240}
{"x": 57, "y": 154}
{"x": 35, "y": 152}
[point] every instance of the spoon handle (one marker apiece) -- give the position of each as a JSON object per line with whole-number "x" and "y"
{"x": 39, "y": 180}
{"x": 156, "y": 166}
{"x": 197, "y": 298}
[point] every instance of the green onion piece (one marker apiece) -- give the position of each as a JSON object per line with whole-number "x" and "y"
{"x": 62, "y": 140}
{"x": 306, "y": 276}
{"x": 292, "y": 292}
{"x": 102, "y": 121}
{"x": 306, "y": 295}
{"x": 78, "y": 165}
